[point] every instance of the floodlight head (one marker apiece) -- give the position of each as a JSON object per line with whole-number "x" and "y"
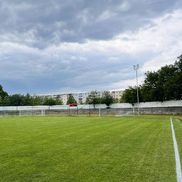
{"x": 136, "y": 67}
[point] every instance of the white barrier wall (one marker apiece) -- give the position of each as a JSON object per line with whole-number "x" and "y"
{"x": 177, "y": 103}
{"x": 102, "y": 106}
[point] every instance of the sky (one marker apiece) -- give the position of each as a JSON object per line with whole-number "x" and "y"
{"x": 57, "y": 46}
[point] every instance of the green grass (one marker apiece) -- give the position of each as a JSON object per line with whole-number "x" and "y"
{"x": 110, "y": 149}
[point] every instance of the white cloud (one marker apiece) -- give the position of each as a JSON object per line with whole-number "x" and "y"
{"x": 110, "y": 13}
{"x": 162, "y": 40}
{"x": 125, "y": 6}
{"x": 106, "y": 15}
{"x": 157, "y": 44}
{"x": 81, "y": 64}
{"x": 160, "y": 36}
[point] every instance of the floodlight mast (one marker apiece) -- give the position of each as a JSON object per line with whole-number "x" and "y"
{"x": 100, "y": 104}
{"x": 136, "y": 67}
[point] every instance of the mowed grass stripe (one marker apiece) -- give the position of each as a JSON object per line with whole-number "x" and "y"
{"x": 42, "y": 136}
{"x": 86, "y": 149}
{"x": 42, "y": 129}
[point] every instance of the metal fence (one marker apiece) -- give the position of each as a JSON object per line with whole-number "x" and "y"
{"x": 169, "y": 107}
{"x": 69, "y": 112}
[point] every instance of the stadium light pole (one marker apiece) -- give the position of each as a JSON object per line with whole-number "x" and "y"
{"x": 136, "y": 67}
{"x": 100, "y": 104}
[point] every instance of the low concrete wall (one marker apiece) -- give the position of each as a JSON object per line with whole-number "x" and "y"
{"x": 168, "y": 107}
{"x": 161, "y": 110}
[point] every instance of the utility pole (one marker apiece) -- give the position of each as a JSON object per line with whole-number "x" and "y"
{"x": 136, "y": 67}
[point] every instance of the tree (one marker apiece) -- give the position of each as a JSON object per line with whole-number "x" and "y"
{"x": 3, "y": 95}
{"x": 130, "y": 95}
{"x": 164, "y": 84}
{"x": 71, "y": 99}
{"x": 37, "y": 100}
{"x": 27, "y": 100}
{"x": 151, "y": 89}
{"x": 178, "y": 79}
{"x": 49, "y": 101}
{"x": 107, "y": 99}
{"x": 93, "y": 98}
{"x": 16, "y": 100}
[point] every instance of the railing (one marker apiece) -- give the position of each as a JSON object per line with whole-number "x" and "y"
{"x": 168, "y": 107}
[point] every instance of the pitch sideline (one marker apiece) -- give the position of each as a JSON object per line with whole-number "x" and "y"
{"x": 176, "y": 152}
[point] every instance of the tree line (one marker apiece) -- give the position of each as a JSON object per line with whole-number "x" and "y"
{"x": 162, "y": 85}
{"x": 26, "y": 100}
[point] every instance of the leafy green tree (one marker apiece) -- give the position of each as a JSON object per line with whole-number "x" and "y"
{"x": 27, "y": 100}
{"x": 3, "y": 96}
{"x": 151, "y": 89}
{"x": 130, "y": 95}
{"x": 164, "y": 84}
{"x": 107, "y": 98}
{"x": 37, "y": 100}
{"x": 59, "y": 101}
{"x": 177, "y": 87}
{"x": 5, "y": 101}
{"x": 16, "y": 100}
{"x": 49, "y": 101}
{"x": 71, "y": 99}
{"x": 116, "y": 100}
{"x": 167, "y": 81}
{"x": 93, "y": 98}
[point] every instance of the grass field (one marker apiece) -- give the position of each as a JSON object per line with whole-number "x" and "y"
{"x": 132, "y": 149}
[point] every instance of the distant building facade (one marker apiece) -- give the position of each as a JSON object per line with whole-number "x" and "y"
{"x": 81, "y": 97}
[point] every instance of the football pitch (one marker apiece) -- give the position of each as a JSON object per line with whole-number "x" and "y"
{"x": 111, "y": 149}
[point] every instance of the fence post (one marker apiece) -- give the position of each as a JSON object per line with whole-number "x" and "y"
{"x": 99, "y": 111}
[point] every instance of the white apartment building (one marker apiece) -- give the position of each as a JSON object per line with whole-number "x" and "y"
{"x": 82, "y": 96}
{"x": 116, "y": 94}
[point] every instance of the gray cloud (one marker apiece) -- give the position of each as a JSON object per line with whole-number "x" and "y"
{"x": 55, "y": 21}
{"x": 56, "y": 45}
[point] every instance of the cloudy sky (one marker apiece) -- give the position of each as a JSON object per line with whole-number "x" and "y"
{"x": 57, "y": 46}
